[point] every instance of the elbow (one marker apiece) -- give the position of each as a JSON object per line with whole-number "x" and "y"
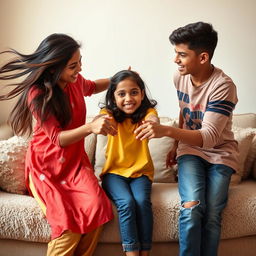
{"x": 208, "y": 140}
{"x": 208, "y": 143}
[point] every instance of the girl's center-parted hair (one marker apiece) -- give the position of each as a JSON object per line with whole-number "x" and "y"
{"x": 42, "y": 70}
{"x": 110, "y": 103}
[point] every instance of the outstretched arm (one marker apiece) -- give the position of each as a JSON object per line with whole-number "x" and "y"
{"x": 101, "y": 85}
{"x": 100, "y": 125}
{"x": 155, "y": 130}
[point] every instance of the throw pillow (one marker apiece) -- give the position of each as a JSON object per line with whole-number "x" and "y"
{"x": 251, "y": 159}
{"x": 244, "y": 138}
{"x": 89, "y": 146}
{"x": 12, "y": 164}
{"x": 254, "y": 170}
{"x": 101, "y": 147}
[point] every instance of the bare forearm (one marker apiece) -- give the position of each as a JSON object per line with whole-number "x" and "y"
{"x": 101, "y": 124}
{"x": 71, "y": 136}
{"x": 191, "y": 137}
{"x": 101, "y": 85}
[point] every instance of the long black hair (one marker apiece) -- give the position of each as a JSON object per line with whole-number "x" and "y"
{"x": 111, "y": 106}
{"x": 42, "y": 69}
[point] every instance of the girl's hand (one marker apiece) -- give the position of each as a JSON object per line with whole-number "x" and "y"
{"x": 102, "y": 124}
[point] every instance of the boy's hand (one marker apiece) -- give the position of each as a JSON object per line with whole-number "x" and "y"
{"x": 148, "y": 130}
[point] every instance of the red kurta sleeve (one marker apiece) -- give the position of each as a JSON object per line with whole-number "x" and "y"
{"x": 51, "y": 126}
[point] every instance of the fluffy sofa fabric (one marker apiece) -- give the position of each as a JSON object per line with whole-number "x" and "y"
{"x": 12, "y": 164}
{"x": 22, "y": 219}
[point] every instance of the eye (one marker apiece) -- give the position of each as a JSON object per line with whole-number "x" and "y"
{"x": 134, "y": 93}
{"x": 72, "y": 67}
{"x": 121, "y": 94}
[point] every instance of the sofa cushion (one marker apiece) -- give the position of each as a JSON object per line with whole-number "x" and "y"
{"x": 245, "y": 120}
{"x": 244, "y": 137}
{"x": 90, "y": 146}
{"x": 250, "y": 159}
{"x": 22, "y": 219}
{"x": 238, "y": 218}
{"x": 12, "y": 164}
{"x": 254, "y": 170}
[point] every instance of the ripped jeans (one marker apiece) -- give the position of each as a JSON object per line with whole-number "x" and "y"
{"x": 207, "y": 185}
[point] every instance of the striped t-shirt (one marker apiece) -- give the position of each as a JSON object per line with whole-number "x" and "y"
{"x": 208, "y": 108}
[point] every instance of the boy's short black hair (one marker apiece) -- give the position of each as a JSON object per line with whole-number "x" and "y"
{"x": 199, "y": 37}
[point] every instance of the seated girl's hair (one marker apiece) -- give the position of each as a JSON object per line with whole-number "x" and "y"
{"x": 110, "y": 104}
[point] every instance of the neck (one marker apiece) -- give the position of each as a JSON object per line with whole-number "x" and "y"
{"x": 202, "y": 76}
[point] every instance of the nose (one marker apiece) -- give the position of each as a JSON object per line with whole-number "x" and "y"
{"x": 176, "y": 58}
{"x": 128, "y": 97}
{"x": 79, "y": 67}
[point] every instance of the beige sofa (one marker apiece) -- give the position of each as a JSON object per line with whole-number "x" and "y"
{"x": 25, "y": 232}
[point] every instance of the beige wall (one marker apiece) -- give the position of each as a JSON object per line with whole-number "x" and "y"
{"x": 117, "y": 33}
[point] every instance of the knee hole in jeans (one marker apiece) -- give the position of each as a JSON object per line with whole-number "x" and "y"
{"x": 190, "y": 204}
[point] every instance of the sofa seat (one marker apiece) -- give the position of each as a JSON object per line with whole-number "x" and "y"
{"x": 27, "y": 222}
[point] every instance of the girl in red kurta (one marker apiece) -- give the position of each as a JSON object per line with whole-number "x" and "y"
{"x": 58, "y": 171}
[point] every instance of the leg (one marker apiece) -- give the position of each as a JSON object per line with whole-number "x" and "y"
{"x": 218, "y": 179}
{"x": 33, "y": 190}
{"x": 191, "y": 178}
{"x": 118, "y": 189}
{"x": 141, "y": 188}
{"x": 88, "y": 243}
{"x": 63, "y": 245}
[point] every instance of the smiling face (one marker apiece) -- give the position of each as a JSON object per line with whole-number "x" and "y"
{"x": 188, "y": 60}
{"x": 128, "y": 96}
{"x": 71, "y": 70}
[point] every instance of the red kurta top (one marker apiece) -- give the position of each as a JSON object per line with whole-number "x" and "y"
{"x": 63, "y": 176}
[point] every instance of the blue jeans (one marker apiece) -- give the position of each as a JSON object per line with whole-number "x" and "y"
{"x": 132, "y": 197}
{"x": 207, "y": 185}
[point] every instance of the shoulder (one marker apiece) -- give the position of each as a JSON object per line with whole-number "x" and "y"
{"x": 81, "y": 80}
{"x": 222, "y": 85}
{"x": 105, "y": 111}
{"x": 220, "y": 78}
{"x": 33, "y": 92}
{"x": 151, "y": 112}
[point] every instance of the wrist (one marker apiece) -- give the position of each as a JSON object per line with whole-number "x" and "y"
{"x": 87, "y": 128}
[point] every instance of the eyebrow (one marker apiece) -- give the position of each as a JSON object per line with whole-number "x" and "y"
{"x": 132, "y": 89}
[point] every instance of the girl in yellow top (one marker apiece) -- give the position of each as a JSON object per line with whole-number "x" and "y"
{"x": 128, "y": 171}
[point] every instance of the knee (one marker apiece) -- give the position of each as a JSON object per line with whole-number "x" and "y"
{"x": 125, "y": 204}
{"x": 143, "y": 202}
{"x": 190, "y": 204}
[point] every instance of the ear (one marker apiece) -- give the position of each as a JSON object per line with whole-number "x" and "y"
{"x": 204, "y": 57}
